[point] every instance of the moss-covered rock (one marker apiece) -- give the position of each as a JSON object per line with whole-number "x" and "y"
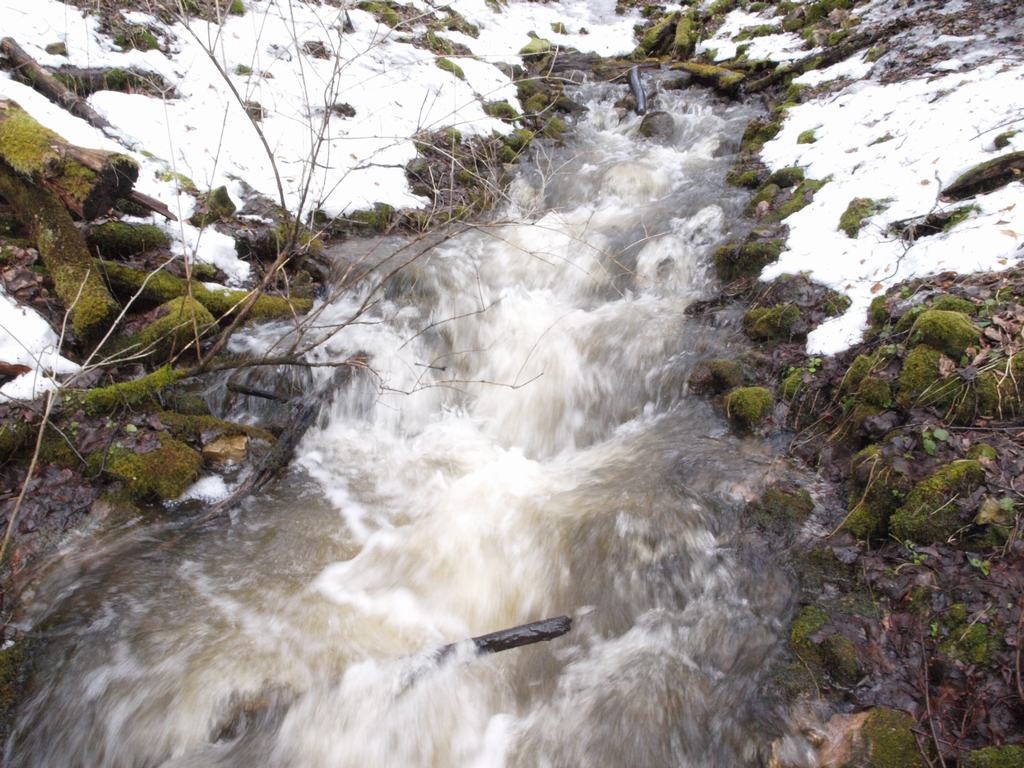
{"x": 536, "y": 48}
{"x": 920, "y": 382}
{"x": 877, "y": 490}
{"x": 801, "y": 198}
{"x": 839, "y": 659}
{"x": 786, "y": 177}
{"x": 889, "y": 740}
{"x": 686, "y": 36}
{"x": 930, "y": 513}
{"x": 781, "y": 506}
{"x": 501, "y": 110}
{"x": 757, "y": 133}
{"x": 875, "y": 391}
{"x": 806, "y": 137}
{"x": 215, "y": 206}
{"x": 859, "y": 368}
{"x": 951, "y": 303}
{"x": 160, "y": 474}
{"x": 996, "y": 757}
{"x": 448, "y": 65}
{"x": 808, "y": 622}
{"x": 178, "y": 323}
{"x": 986, "y": 176}
{"x": 117, "y": 239}
{"x": 947, "y": 331}
{"x": 747, "y": 407}
{"x": 716, "y": 376}
{"x": 967, "y": 640}
{"x": 771, "y": 323}
{"x": 733, "y": 262}
{"x": 852, "y": 219}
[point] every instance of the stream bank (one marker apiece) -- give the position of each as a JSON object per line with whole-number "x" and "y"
{"x": 850, "y": 666}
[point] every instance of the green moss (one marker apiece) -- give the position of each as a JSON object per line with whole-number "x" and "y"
{"x": 996, "y": 757}
{"x": 215, "y": 206}
{"x": 779, "y": 503}
{"x": 537, "y": 46}
{"x": 741, "y": 176}
{"x": 890, "y": 740}
{"x": 437, "y": 44}
{"x": 554, "y": 128}
{"x": 947, "y": 331}
{"x": 791, "y": 384}
{"x": 800, "y": 199}
{"x": 237, "y": 8}
{"x": 806, "y": 137}
{"x": 456, "y": 22}
{"x": 501, "y": 110}
{"x": 787, "y": 177}
{"x": 686, "y": 36}
{"x": 920, "y": 382}
{"x": 771, "y": 323}
{"x": 138, "y": 37}
{"x": 654, "y": 41}
{"x": 116, "y": 239}
{"x": 242, "y": 70}
{"x": 559, "y": 28}
{"x": 725, "y": 375}
{"x": 970, "y": 643}
{"x": 853, "y": 217}
{"x": 930, "y": 513}
{"x": 28, "y": 145}
{"x": 450, "y": 66}
{"x": 177, "y": 325}
{"x": 128, "y": 394}
{"x": 860, "y": 367}
{"x": 376, "y": 219}
{"x": 982, "y": 451}
{"x": 519, "y": 139}
{"x": 723, "y": 80}
{"x": 835, "y": 304}
{"x": 757, "y": 133}
{"x": 878, "y": 312}
{"x": 163, "y": 473}
{"x": 383, "y": 12}
{"x": 808, "y": 622}
{"x": 839, "y": 658}
{"x": 746, "y": 260}
{"x": 747, "y": 407}
{"x": 1002, "y": 141}
{"x": 875, "y": 391}
{"x": 876, "y": 492}
{"x": 954, "y": 304}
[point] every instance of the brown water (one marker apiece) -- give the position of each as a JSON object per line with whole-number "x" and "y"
{"x": 523, "y": 447}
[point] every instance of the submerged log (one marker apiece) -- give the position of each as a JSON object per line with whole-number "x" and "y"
{"x": 87, "y": 181}
{"x": 76, "y": 278}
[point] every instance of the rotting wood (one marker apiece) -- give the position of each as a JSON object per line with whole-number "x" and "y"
{"x": 61, "y": 245}
{"x": 87, "y": 181}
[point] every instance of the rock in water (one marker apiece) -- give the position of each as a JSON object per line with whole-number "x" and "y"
{"x": 657, "y": 125}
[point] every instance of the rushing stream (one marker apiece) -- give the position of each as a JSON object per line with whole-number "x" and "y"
{"x": 523, "y": 446}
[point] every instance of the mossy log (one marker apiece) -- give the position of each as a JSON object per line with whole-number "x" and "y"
{"x": 27, "y": 70}
{"x": 87, "y": 181}
{"x": 154, "y": 288}
{"x": 76, "y": 279}
{"x": 83, "y": 81}
{"x": 987, "y": 176}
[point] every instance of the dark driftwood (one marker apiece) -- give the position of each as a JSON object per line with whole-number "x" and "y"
{"x": 515, "y": 637}
{"x": 27, "y": 70}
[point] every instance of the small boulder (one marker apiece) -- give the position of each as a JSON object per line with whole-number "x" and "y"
{"x": 657, "y": 125}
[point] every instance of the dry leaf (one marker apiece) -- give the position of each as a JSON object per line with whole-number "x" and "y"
{"x": 876, "y": 287}
{"x": 946, "y": 367}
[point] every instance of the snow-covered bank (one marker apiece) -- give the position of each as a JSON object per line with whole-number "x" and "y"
{"x": 339, "y": 108}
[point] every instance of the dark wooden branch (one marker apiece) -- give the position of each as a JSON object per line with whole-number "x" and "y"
{"x": 516, "y": 637}
{"x": 27, "y": 70}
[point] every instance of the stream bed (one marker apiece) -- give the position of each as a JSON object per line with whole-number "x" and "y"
{"x": 521, "y": 445}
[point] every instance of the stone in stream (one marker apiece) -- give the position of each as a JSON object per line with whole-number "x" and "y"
{"x": 657, "y": 125}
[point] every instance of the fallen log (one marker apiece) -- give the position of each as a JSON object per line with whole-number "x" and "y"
{"x": 27, "y": 70}
{"x": 87, "y": 181}
{"x": 76, "y": 278}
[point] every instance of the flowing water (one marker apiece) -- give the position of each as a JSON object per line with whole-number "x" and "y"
{"x": 522, "y": 446}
